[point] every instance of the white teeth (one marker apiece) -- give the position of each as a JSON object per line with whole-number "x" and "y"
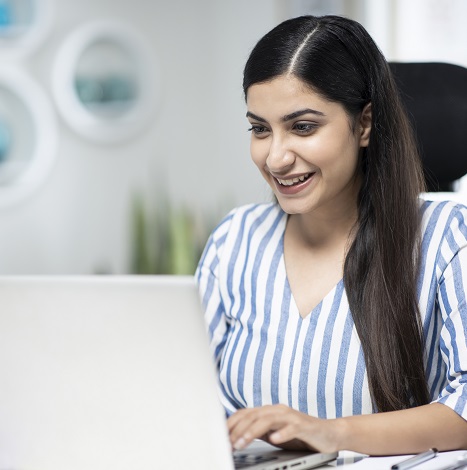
{"x": 293, "y": 181}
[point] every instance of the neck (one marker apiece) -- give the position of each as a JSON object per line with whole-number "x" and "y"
{"x": 324, "y": 227}
{"x": 317, "y": 232}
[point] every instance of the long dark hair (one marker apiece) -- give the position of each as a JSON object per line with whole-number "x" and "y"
{"x": 337, "y": 58}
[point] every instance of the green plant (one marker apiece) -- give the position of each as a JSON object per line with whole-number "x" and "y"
{"x": 167, "y": 239}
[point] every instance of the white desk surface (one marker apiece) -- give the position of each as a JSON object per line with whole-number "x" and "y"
{"x": 352, "y": 460}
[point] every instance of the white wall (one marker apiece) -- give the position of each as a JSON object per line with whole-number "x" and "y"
{"x": 196, "y": 147}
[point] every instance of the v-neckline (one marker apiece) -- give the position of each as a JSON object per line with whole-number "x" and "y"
{"x": 331, "y": 292}
{"x": 318, "y": 306}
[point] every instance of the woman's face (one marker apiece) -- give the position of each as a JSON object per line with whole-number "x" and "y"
{"x": 305, "y": 146}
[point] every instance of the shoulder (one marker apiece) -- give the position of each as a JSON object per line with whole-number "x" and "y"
{"x": 244, "y": 227}
{"x": 242, "y": 218}
{"x": 439, "y": 218}
{"x": 444, "y": 230}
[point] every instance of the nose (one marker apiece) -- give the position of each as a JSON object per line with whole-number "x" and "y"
{"x": 280, "y": 156}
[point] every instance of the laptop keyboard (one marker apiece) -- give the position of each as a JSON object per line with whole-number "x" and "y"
{"x": 246, "y": 460}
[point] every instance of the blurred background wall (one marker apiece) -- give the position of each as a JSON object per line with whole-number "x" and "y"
{"x": 101, "y": 206}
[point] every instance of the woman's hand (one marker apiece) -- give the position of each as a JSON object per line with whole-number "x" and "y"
{"x": 396, "y": 432}
{"x": 283, "y": 427}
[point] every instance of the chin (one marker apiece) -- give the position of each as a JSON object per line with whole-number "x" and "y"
{"x": 294, "y": 208}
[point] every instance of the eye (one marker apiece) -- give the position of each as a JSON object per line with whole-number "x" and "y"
{"x": 258, "y": 130}
{"x": 305, "y": 128}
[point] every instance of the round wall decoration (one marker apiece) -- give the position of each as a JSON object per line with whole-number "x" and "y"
{"x": 103, "y": 82}
{"x": 28, "y": 135}
{"x": 24, "y": 24}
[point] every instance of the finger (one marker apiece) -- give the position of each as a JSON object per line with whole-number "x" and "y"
{"x": 239, "y": 428}
{"x": 238, "y": 416}
{"x": 259, "y": 429}
{"x": 283, "y": 434}
{"x": 257, "y": 424}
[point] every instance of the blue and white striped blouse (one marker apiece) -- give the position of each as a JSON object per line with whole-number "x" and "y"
{"x": 267, "y": 353}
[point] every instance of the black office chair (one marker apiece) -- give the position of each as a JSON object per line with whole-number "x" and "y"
{"x": 435, "y": 96}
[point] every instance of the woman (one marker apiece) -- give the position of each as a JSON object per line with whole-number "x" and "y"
{"x": 338, "y": 313}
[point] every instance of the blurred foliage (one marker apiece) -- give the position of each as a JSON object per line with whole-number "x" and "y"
{"x": 167, "y": 239}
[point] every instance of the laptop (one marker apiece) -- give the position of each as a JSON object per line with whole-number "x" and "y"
{"x": 113, "y": 372}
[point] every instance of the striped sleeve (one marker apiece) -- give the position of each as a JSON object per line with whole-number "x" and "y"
{"x": 452, "y": 300}
{"x": 207, "y": 278}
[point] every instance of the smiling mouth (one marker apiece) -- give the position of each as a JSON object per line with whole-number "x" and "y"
{"x": 294, "y": 181}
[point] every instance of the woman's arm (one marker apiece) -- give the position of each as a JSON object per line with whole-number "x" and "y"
{"x": 406, "y": 431}
{"x": 397, "y": 432}
{"x": 207, "y": 278}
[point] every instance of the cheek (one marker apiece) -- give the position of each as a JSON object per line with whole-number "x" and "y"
{"x": 338, "y": 155}
{"x": 341, "y": 165}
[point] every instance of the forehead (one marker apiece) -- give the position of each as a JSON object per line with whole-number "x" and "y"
{"x": 286, "y": 94}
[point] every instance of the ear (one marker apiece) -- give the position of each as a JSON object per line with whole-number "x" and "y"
{"x": 365, "y": 126}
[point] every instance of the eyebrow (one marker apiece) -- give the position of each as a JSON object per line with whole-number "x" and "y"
{"x": 287, "y": 117}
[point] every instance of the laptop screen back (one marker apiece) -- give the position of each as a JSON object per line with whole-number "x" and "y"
{"x": 107, "y": 373}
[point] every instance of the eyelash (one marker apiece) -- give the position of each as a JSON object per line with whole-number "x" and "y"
{"x": 257, "y": 130}
{"x": 306, "y": 127}
{"x": 303, "y": 128}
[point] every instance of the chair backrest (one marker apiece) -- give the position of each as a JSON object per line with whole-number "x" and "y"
{"x": 435, "y": 96}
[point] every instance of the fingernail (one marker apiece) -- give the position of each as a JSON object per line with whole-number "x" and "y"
{"x": 240, "y": 444}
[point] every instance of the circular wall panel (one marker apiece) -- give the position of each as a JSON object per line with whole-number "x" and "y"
{"x": 103, "y": 82}
{"x": 28, "y": 136}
